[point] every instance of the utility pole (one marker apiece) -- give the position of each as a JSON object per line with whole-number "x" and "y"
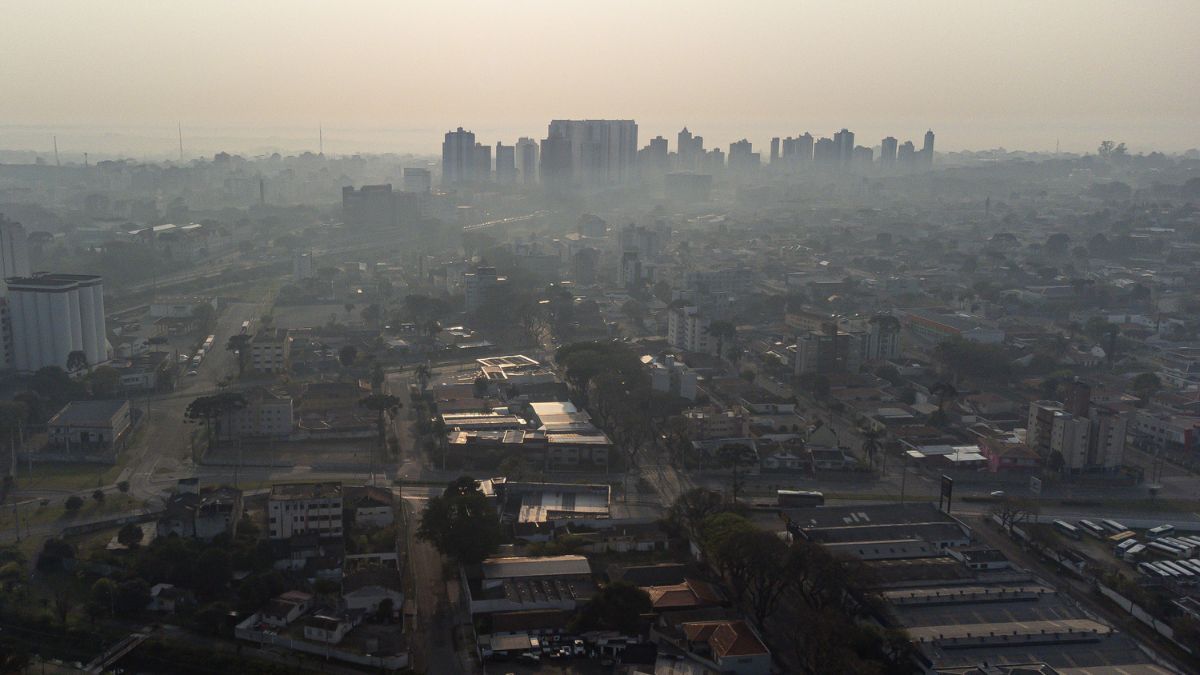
{"x": 179, "y": 128}
{"x": 56, "y": 162}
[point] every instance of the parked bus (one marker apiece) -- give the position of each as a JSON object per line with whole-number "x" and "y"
{"x": 1165, "y": 550}
{"x": 1160, "y": 531}
{"x": 1151, "y": 570}
{"x": 799, "y": 498}
{"x": 1122, "y": 536}
{"x": 1066, "y": 529}
{"x": 1124, "y": 547}
{"x": 1092, "y": 529}
{"x": 1113, "y": 526}
{"x": 1134, "y": 552}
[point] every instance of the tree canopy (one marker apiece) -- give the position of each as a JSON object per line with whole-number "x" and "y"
{"x": 461, "y": 523}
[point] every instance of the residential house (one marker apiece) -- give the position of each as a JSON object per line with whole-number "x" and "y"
{"x": 366, "y": 589}
{"x": 733, "y": 646}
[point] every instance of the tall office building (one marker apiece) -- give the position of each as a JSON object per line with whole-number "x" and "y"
{"x": 887, "y": 151}
{"x": 927, "y": 149}
{"x": 775, "y": 150}
{"x": 458, "y": 157}
{"x": 844, "y": 142}
{"x": 527, "y": 160}
{"x": 907, "y": 154}
{"x": 54, "y": 315}
{"x": 417, "y": 180}
{"x": 602, "y": 152}
{"x": 14, "y": 249}
{"x": 506, "y": 164}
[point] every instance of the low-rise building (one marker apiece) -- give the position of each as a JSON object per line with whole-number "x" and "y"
{"x": 91, "y": 426}
{"x": 200, "y": 513}
{"x": 511, "y": 584}
{"x": 267, "y": 414}
{"x": 367, "y": 589}
{"x": 733, "y": 646}
{"x": 269, "y": 351}
{"x": 305, "y": 508}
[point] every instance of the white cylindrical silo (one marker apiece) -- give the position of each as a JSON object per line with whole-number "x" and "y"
{"x": 87, "y": 323}
{"x": 73, "y": 316}
{"x": 98, "y": 324}
{"x": 57, "y": 328}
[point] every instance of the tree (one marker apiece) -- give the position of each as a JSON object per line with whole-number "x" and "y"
{"x": 461, "y": 523}
{"x": 132, "y": 596}
{"x": 692, "y": 508}
{"x": 383, "y": 405}
{"x": 123, "y": 486}
{"x": 77, "y": 361}
{"x": 212, "y": 409}
{"x": 372, "y": 314}
{"x": 1146, "y": 385}
{"x": 1013, "y": 511}
{"x": 56, "y": 385}
{"x": 103, "y": 597}
{"x": 214, "y": 570}
{"x": 870, "y": 445}
{"x": 722, "y": 331}
{"x": 347, "y": 355}
{"x": 98, "y": 495}
{"x": 240, "y": 344}
{"x": 618, "y": 606}
{"x": 735, "y": 457}
{"x": 73, "y": 503}
{"x": 383, "y": 613}
{"x": 423, "y": 374}
{"x": 377, "y": 378}
{"x": 479, "y": 388}
{"x": 104, "y": 381}
{"x": 130, "y": 535}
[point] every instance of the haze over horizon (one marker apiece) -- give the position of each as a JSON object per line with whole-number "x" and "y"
{"x": 382, "y": 77}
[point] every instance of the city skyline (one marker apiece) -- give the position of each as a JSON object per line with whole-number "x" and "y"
{"x": 255, "y": 92}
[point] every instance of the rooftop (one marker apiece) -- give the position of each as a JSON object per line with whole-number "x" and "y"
{"x": 88, "y": 413}
{"x": 517, "y": 567}
{"x": 306, "y": 490}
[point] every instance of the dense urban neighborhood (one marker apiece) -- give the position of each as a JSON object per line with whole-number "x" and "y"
{"x": 576, "y": 405}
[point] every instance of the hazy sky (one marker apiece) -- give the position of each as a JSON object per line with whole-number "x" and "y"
{"x": 394, "y": 75}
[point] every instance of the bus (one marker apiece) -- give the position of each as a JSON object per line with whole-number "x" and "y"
{"x": 1165, "y": 550}
{"x": 1160, "y": 531}
{"x": 799, "y": 498}
{"x": 1185, "y": 572}
{"x": 1122, "y": 536}
{"x": 1066, "y": 529}
{"x": 1134, "y": 551}
{"x": 1121, "y": 549}
{"x": 1151, "y": 570}
{"x": 1113, "y": 526}
{"x": 1092, "y": 529}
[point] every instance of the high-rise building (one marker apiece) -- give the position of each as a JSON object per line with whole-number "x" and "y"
{"x": 458, "y": 157}
{"x": 907, "y": 154}
{"x": 483, "y": 162}
{"x": 417, "y": 180}
{"x": 927, "y": 148}
{"x": 527, "y": 160}
{"x": 844, "y": 142}
{"x": 862, "y": 156}
{"x": 804, "y": 147}
{"x": 655, "y": 156}
{"x": 54, "y": 315}
{"x": 602, "y": 152}
{"x": 555, "y": 169}
{"x": 369, "y": 205}
{"x": 14, "y": 249}
{"x": 775, "y": 150}
{"x": 689, "y": 149}
{"x": 479, "y": 287}
{"x": 506, "y": 164}
{"x": 887, "y": 151}
{"x": 825, "y": 151}
{"x": 742, "y": 156}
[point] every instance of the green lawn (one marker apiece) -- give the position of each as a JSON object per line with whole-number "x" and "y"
{"x": 33, "y": 515}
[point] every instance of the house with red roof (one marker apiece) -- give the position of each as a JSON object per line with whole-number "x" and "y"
{"x": 733, "y": 646}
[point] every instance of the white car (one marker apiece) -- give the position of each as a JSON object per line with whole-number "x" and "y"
{"x": 192, "y": 373}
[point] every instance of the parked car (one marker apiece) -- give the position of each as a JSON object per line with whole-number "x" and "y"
{"x": 530, "y": 658}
